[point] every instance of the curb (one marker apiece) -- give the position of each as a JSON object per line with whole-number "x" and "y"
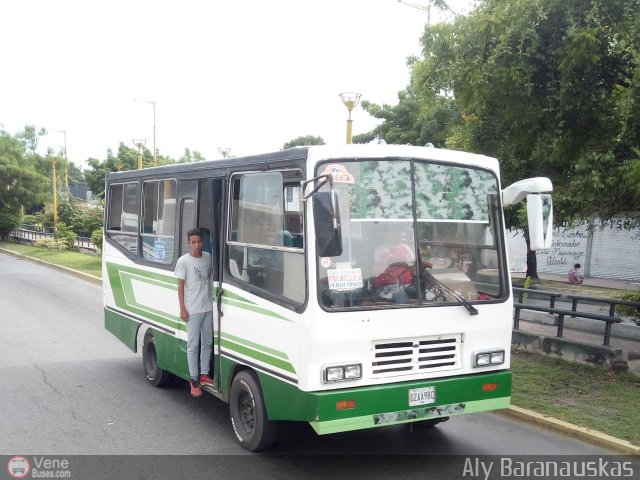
{"x": 77, "y": 273}
{"x": 591, "y": 436}
{"x": 519, "y": 413}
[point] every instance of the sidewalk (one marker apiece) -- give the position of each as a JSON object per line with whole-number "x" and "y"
{"x": 588, "y": 281}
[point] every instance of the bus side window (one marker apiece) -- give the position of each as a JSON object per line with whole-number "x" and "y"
{"x": 187, "y": 222}
{"x": 158, "y": 218}
{"x": 265, "y": 224}
{"x": 122, "y": 215}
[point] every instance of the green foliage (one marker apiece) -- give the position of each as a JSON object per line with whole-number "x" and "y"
{"x": 22, "y": 185}
{"x": 626, "y": 309}
{"x": 591, "y": 397}
{"x": 39, "y": 219}
{"x": 125, "y": 159}
{"x": 96, "y": 239}
{"x": 550, "y": 88}
{"x": 83, "y": 221}
{"x": 189, "y": 157}
{"x": 9, "y": 221}
{"x": 29, "y": 137}
{"x": 304, "y": 141}
{"x": 51, "y": 243}
{"x": 66, "y": 236}
{"x": 87, "y": 263}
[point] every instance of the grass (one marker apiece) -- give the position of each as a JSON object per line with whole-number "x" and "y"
{"x": 591, "y": 397}
{"x": 83, "y": 262}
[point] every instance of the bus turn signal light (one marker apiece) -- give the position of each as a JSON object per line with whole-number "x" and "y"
{"x": 489, "y": 387}
{"x": 345, "y": 405}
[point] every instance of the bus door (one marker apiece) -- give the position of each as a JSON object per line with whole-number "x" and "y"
{"x": 200, "y": 206}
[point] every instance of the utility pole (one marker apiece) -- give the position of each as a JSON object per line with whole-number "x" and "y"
{"x": 54, "y": 194}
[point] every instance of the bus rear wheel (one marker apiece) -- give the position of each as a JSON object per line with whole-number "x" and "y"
{"x": 248, "y": 413}
{"x": 156, "y": 376}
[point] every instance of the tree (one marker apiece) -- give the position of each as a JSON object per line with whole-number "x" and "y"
{"x": 549, "y": 87}
{"x": 125, "y": 159}
{"x": 304, "y": 141}
{"x": 188, "y": 157}
{"x": 30, "y": 137}
{"x": 20, "y": 184}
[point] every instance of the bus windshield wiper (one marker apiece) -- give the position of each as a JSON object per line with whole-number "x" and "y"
{"x": 472, "y": 310}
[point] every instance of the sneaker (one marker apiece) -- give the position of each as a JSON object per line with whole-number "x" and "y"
{"x": 196, "y": 391}
{"x": 205, "y": 380}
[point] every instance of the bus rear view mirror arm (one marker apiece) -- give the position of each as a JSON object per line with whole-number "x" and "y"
{"x": 516, "y": 192}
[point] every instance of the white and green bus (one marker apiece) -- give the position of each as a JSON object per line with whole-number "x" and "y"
{"x": 311, "y": 322}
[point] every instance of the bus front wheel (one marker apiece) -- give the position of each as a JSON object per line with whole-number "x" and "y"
{"x": 155, "y": 375}
{"x": 248, "y": 413}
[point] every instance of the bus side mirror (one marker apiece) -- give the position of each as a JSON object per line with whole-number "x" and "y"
{"x": 540, "y": 219}
{"x": 327, "y": 224}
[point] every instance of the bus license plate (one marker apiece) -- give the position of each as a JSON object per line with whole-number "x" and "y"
{"x": 422, "y": 396}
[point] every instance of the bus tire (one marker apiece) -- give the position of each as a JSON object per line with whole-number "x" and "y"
{"x": 156, "y": 376}
{"x": 248, "y": 414}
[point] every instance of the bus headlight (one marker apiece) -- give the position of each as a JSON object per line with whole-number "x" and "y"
{"x": 352, "y": 372}
{"x": 339, "y": 373}
{"x": 485, "y": 359}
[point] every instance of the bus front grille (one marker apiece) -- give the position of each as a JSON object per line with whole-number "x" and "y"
{"x": 411, "y": 356}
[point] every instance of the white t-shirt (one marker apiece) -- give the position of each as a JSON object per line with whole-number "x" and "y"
{"x": 197, "y": 274}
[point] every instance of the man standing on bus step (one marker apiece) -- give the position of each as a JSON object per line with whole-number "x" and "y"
{"x": 194, "y": 272}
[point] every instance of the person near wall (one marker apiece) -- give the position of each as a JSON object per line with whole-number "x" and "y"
{"x": 574, "y": 275}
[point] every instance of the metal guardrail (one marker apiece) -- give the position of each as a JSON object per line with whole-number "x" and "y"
{"x": 612, "y": 303}
{"x": 35, "y": 228}
{"x": 553, "y": 296}
{"x": 562, "y": 313}
{"x": 34, "y": 235}
{"x": 536, "y": 293}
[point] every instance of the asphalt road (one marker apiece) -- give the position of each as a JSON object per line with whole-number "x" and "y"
{"x": 68, "y": 387}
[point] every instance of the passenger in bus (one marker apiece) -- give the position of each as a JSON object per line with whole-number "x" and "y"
{"x": 194, "y": 273}
{"x": 394, "y": 265}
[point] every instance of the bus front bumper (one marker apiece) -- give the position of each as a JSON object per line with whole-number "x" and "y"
{"x": 367, "y": 407}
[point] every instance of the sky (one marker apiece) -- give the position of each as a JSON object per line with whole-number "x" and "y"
{"x": 249, "y": 75}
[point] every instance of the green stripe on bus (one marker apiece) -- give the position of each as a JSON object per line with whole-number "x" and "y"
{"x": 257, "y": 346}
{"x": 252, "y": 308}
{"x": 235, "y": 296}
{"x": 118, "y": 273}
{"x": 143, "y": 273}
{"x": 131, "y": 304}
{"x": 256, "y": 355}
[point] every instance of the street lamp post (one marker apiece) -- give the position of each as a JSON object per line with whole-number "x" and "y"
{"x": 151, "y": 102}
{"x": 350, "y": 100}
{"x": 224, "y": 151}
{"x": 66, "y": 166}
{"x": 54, "y": 194}
{"x": 139, "y": 142}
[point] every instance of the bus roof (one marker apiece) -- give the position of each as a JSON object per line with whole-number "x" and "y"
{"x": 317, "y": 153}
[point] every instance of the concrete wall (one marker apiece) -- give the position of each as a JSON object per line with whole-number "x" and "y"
{"x": 575, "y": 351}
{"x": 604, "y": 249}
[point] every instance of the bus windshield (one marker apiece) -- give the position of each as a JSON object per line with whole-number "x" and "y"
{"x": 414, "y": 233}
